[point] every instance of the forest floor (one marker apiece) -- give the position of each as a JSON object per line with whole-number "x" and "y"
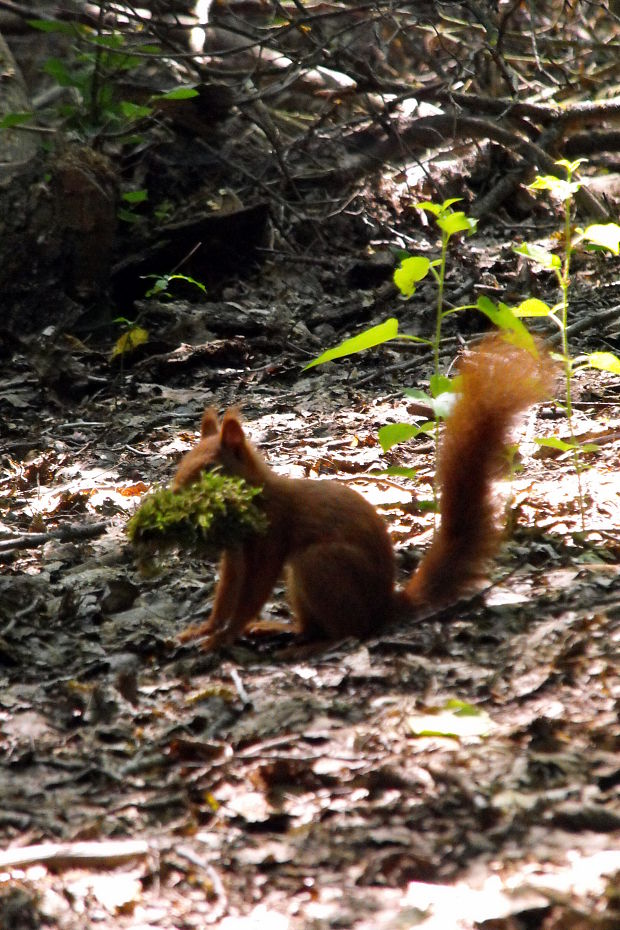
{"x": 459, "y": 772}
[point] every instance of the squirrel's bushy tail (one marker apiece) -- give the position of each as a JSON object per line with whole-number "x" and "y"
{"x": 499, "y": 380}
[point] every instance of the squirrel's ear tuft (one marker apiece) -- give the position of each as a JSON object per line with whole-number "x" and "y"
{"x": 209, "y": 425}
{"x": 232, "y": 435}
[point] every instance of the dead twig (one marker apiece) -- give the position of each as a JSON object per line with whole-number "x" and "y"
{"x": 70, "y": 533}
{"x": 107, "y": 854}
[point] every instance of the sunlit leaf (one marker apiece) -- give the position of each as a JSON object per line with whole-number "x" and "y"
{"x": 433, "y": 208}
{"x": 179, "y": 93}
{"x": 188, "y": 280}
{"x": 570, "y": 166}
{"x": 557, "y": 187}
{"x": 374, "y": 336}
{"x": 394, "y": 433}
{"x": 539, "y": 255}
{"x": 554, "y": 442}
{"x": 512, "y": 328}
{"x": 606, "y": 235}
{"x": 604, "y": 361}
{"x": 129, "y": 341}
{"x": 457, "y": 222}
{"x": 410, "y": 271}
{"x": 532, "y": 307}
{"x": 438, "y": 209}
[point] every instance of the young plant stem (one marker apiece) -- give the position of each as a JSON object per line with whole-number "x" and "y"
{"x": 568, "y": 369}
{"x": 436, "y": 343}
{"x": 439, "y": 314}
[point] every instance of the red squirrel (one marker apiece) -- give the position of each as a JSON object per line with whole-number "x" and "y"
{"x": 336, "y": 548}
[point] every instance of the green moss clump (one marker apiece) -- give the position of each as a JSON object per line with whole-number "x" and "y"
{"x": 214, "y": 513}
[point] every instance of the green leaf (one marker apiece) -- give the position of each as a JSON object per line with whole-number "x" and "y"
{"x": 113, "y": 41}
{"x": 539, "y": 255}
{"x": 52, "y": 25}
{"x": 374, "y": 336}
{"x": 433, "y": 208}
{"x": 57, "y": 70}
{"x": 463, "y": 709}
{"x": 160, "y": 286}
{"x": 127, "y": 216}
{"x": 394, "y": 433}
{"x": 571, "y": 166}
{"x": 558, "y": 188}
{"x": 410, "y": 271}
{"x": 604, "y": 361}
{"x": 133, "y": 111}
{"x": 457, "y": 222}
{"x": 440, "y": 384}
{"x": 15, "y": 119}
{"x": 427, "y": 506}
{"x": 438, "y": 209}
{"x": 455, "y": 719}
{"x": 606, "y": 235}
{"x": 122, "y": 61}
{"x": 554, "y": 442}
{"x": 531, "y": 307}
{"x": 188, "y": 280}
{"x": 136, "y": 196}
{"x": 418, "y": 339}
{"x": 395, "y": 471}
{"x": 417, "y": 394}
{"x": 428, "y": 426}
{"x": 179, "y": 93}
{"x": 129, "y": 341}
{"x": 512, "y": 328}
{"x": 162, "y": 283}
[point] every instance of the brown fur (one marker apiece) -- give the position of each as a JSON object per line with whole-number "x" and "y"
{"x": 336, "y": 548}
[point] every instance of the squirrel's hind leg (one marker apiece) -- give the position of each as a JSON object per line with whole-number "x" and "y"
{"x": 336, "y": 591}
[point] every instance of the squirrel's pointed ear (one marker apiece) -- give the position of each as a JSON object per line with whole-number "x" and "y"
{"x": 232, "y": 435}
{"x": 209, "y": 425}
